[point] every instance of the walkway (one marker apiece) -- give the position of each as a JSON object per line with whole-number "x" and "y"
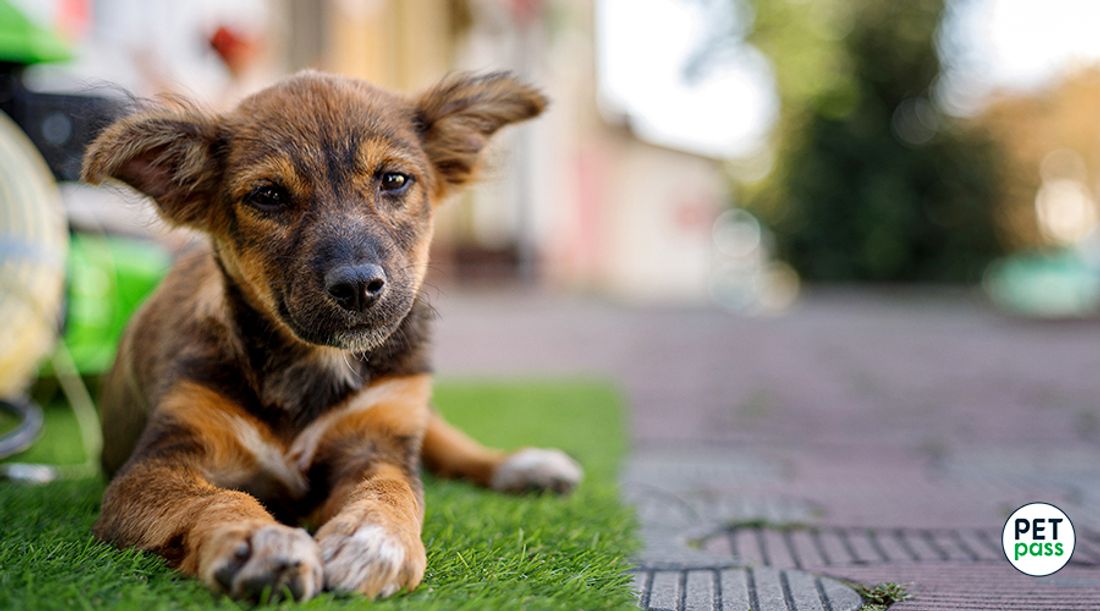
{"x": 862, "y": 437}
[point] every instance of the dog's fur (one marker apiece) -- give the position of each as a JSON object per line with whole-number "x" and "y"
{"x": 245, "y": 400}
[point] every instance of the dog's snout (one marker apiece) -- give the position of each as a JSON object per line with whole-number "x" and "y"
{"x": 356, "y": 287}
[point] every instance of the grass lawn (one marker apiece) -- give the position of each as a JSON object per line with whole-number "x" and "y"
{"x": 485, "y": 550}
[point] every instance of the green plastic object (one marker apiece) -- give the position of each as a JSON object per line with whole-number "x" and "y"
{"x": 110, "y": 277}
{"x": 22, "y": 41}
{"x": 1058, "y": 284}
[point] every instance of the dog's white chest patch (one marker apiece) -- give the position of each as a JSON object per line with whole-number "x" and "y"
{"x": 269, "y": 458}
{"x": 304, "y": 448}
{"x": 289, "y": 464}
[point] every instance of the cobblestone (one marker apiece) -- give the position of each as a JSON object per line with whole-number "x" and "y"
{"x": 862, "y": 437}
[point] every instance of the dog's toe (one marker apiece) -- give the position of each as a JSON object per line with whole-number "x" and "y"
{"x": 537, "y": 470}
{"x": 371, "y": 561}
{"x": 269, "y": 561}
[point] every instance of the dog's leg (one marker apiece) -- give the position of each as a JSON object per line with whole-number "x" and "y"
{"x": 449, "y": 452}
{"x": 368, "y": 450}
{"x": 165, "y": 500}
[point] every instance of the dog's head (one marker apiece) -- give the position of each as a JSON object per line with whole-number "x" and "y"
{"x": 318, "y": 192}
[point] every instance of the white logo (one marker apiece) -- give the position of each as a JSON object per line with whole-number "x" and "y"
{"x": 1038, "y": 539}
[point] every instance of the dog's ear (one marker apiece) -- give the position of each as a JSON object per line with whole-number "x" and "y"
{"x": 456, "y": 118}
{"x": 167, "y": 154}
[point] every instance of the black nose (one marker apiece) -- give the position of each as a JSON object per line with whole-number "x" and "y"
{"x": 356, "y": 287}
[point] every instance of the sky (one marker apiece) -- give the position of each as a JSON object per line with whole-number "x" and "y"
{"x": 642, "y": 48}
{"x": 1013, "y": 45}
{"x": 986, "y": 45}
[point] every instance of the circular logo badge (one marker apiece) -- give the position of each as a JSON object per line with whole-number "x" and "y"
{"x": 1038, "y": 539}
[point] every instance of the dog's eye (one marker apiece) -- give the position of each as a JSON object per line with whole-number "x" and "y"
{"x": 268, "y": 197}
{"x": 395, "y": 182}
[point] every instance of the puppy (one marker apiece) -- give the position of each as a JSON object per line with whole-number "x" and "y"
{"x": 280, "y": 375}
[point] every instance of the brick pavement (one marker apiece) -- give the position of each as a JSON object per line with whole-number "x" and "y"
{"x": 863, "y": 436}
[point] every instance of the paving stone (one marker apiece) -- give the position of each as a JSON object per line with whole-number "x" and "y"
{"x": 701, "y": 590}
{"x": 664, "y": 590}
{"x": 983, "y": 586}
{"x": 905, "y": 427}
{"x": 1067, "y": 476}
{"x": 692, "y": 488}
{"x": 734, "y": 588}
{"x": 742, "y": 588}
{"x": 827, "y": 546}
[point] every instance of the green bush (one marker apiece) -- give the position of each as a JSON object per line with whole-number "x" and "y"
{"x": 871, "y": 181}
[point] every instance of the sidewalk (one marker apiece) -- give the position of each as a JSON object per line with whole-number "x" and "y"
{"x": 860, "y": 437}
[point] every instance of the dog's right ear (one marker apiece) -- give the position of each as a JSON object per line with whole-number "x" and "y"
{"x": 167, "y": 154}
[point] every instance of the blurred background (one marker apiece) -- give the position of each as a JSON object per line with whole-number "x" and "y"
{"x": 853, "y": 240}
{"x": 698, "y": 151}
{"x": 723, "y": 153}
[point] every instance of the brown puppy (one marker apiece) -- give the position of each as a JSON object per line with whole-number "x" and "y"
{"x": 280, "y": 376}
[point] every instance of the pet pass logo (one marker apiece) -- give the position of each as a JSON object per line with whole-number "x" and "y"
{"x": 1038, "y": 539}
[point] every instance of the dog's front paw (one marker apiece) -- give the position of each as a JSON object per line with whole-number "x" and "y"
{"x": 537, "y": 470}
{"x": 370, "y": 559}
{"x": 245, "y": 561}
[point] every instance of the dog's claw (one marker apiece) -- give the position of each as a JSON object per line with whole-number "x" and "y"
{"x": 269, "y": 560}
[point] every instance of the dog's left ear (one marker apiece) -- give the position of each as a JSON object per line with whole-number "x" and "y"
{"x": 456, "y": 118}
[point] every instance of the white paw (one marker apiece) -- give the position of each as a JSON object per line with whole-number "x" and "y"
{"x": 370, "y": 560}
{"x": 537, "y": 469}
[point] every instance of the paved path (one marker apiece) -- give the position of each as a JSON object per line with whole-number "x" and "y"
{"x": 861, "y": 437}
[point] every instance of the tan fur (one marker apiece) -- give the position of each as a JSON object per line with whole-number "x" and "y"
{"x": 245, "y": 398}
{"x": 165, "y": 151}
{"x": 168, "y": 504}
{"x": 462, "y": 113}
{"x": 451, "y": 453}
{"x": 394, "y": 406}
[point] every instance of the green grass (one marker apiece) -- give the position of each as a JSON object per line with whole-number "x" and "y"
{"x": 485, "y": 550}
{"x": 881, "y": 596}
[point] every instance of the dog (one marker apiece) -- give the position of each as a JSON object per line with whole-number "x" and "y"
{"x": 280, "y": 375}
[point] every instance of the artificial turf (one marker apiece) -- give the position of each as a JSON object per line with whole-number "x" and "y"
{"x": 485, "y": 550}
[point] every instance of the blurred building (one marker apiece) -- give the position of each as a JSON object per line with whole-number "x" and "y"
{"x": 573, "y": 199}
{"x": 601, "y": 194}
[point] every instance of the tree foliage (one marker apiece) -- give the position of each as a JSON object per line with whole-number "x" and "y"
{"x": 871, "y": 181}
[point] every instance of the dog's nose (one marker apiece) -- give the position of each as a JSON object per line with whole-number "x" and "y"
{"x": 356, "y": 287}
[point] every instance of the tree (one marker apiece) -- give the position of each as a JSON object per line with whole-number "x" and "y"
{"x": 871, "y": 181}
